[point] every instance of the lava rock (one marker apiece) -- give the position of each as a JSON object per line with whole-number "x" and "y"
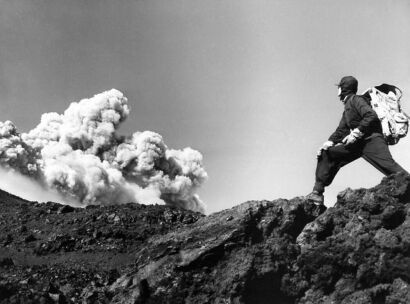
{"x": 6, "y": 262}
{"x": 65, "y": 209}
{"x": 281, "y": 251}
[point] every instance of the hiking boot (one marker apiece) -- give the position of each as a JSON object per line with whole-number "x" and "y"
{"x": 315, "y": 197}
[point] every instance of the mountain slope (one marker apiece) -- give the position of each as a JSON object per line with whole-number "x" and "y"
{"x": 282, "y": 251}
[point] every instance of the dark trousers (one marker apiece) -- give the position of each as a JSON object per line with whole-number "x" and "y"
{"x": 374, "y": 150}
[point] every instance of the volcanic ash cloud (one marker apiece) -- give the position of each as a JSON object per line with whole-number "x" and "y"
{"x": 80, "y": 155}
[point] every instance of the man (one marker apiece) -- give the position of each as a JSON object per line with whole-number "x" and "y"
{"x": 359, "y": 134}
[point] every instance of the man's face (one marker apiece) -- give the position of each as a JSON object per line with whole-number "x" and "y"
{"x": 339, "y": 91}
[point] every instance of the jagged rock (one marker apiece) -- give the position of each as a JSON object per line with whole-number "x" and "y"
{"x": 6, "y": 262}
{"x": 234, "y": 256}
{"x": 29, "y": 238}
{"x": 282, "y": 251}
{"x": 65, "y": 209}
{"x": 7, "y": 240}
{"x": 78, "y": 251}
{"x": 355, "y": 251}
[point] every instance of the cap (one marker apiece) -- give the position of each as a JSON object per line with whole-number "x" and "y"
{"x": 348, "y": 81}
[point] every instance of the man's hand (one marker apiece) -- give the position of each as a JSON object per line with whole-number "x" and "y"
{"x": 325, "y": 146}
{"x": 352, "y": 137}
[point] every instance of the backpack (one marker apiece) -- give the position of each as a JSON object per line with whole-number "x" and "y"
{"x": 385, "y": 101}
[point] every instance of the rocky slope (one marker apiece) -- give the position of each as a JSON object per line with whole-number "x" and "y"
{"x": 282, "y": 251}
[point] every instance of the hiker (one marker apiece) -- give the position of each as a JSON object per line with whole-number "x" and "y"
{"x": 359, "y": 134}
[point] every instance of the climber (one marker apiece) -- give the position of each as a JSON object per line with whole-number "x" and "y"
{"x": 359, "y": 134}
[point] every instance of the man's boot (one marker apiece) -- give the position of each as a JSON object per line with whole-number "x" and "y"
{"x": 315, "y": 197}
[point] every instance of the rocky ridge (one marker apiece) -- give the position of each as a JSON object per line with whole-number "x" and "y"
{"x": 282, "y": 251}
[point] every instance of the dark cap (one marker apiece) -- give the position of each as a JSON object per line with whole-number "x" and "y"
{"x": 348, "y": 82}
{"x": 348, "y": 85}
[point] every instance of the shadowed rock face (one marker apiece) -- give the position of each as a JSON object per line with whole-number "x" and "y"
{"x": 282, "y": 251}
{"x": 238, "y": 255}
{"x": 358, "y": 251}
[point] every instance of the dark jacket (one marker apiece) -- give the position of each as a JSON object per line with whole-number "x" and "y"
{"x": 357, "y": 114}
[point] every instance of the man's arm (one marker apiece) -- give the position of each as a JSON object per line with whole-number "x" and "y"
{"x": 341, "y": 131}
{"x": 369, "y": 116}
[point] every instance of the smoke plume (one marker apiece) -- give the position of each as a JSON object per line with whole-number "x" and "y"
{"x": 80, "y": 155}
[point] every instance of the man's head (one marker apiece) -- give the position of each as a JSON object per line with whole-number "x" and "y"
{"x": 347, "y": 85}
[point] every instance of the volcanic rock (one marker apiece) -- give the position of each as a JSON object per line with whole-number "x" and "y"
{"x": 282, "y": 251}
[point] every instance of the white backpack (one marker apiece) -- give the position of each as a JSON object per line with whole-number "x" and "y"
{"x": 385, "y": 101}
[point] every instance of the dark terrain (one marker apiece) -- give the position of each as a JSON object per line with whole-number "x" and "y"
{"x": 282, "y": 251}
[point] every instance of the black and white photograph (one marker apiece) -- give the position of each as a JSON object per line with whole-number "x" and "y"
{"x": 204, "y": 152}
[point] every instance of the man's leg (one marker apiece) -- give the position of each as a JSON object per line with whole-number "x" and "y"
{"x": 376, "y": 152}
{"x": 331, "y": 161}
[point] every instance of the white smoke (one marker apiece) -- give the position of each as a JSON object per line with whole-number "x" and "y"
{"x": 80, "y": 155}
{"x": 29, "y": 189}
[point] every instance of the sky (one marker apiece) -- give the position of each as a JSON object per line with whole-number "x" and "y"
{"x": 249, "y": 84}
